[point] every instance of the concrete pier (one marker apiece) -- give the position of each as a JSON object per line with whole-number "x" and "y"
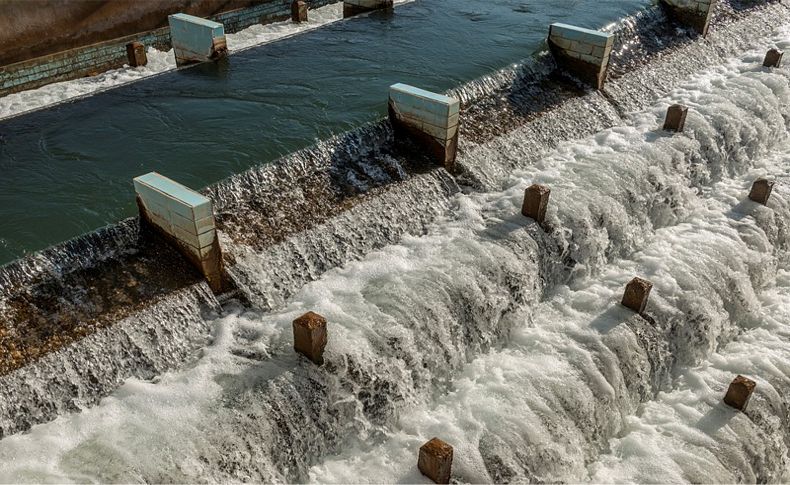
{"x": 356, "y": 7}
{"x": 299, "y": 11}
{"x": 436, "y": 460}
{"x": 739, "y": 393}
{"x": 636, "y": 294}
{"x": 676, "y": 118}
{"x": 694, "y": 13}
{"x": 186, "y": 219}
{"x": 427, "y": 118}
{"x": 773, "y": 58}
{"x": 310, "y": 336}
{"x": 761, "y": 190}
{"x": 135, "y": 52}
{"x": 584, "y": 53}
{"x": 536, "y": 200}
{"x": 195, "y": 39}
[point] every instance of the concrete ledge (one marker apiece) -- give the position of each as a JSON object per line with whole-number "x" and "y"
{"x": 185, "y": 218}
{"x": 428, "y": 118}
{"x": 694, "y": 13}
{"x": 195, "y": 39}
{"x": 583, "y": 52}
{"x": 356, "y": 7}
{"x": 111, "y": 54}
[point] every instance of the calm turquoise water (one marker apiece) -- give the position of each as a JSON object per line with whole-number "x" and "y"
{"x": 67, "y": 170}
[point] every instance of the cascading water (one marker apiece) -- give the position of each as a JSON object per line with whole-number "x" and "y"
{"x": 502, "y": 337}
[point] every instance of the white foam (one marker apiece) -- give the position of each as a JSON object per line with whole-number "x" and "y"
{"x": 541, "y": 387}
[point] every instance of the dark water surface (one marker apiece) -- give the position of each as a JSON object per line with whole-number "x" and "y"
{"x": 67, "y": 170}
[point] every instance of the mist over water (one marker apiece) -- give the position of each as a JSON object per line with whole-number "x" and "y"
{"x": 501, "y": 337}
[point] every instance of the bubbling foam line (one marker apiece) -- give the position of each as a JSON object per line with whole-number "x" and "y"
{"x": 542, "y": 408}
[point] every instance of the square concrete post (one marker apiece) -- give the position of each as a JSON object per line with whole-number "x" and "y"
{"x": 761, "y": 190}
{"x": 135, "y": 52}
{"x": 694, "y": 13}
{"x": 356, "y": 7}
{"x": 299, "y": 11}
{"x": 186, "y": 219}
{"x": 584, "y": 53}
{"x": 436, "y": 460}
{"x": 739, "y": 393}
{"x": 636, "y": 294}
{"x": 676, "y": 118}
{"x": 536, "y": 200}
{"x": 773, "y": 58}
{"x": 310, "y": 336}
{"x": 429, "y": 119}
{"x": 195, "y": 39}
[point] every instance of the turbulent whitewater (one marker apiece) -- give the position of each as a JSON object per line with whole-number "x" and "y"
{"x": 452, "y": 315}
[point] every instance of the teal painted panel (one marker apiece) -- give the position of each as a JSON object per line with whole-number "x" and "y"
{"x": 425, "y": 98}
{"x": 192, "y": 37}
{"x": 580, "y": 34}
{"x": 174, "y": 196}
{"x": 191, "y": 19}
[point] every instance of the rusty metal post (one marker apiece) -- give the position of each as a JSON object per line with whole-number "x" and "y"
{"x": 739, "y": 393}
{"x": 436, "y": 460}
{"x": 636, "y": 294}
{"x": 773, "y": 58}
{"x": 536, "y": 200}
{"x": 299, "y": 11}
{"x": 135, "y": 52}
{"x": 310, "y": 336}
{"x": 761, "y": 190}
{"x": 676, "y": 118}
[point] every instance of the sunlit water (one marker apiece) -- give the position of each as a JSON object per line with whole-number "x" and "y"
{"x": 504, "y": 339}
{"x": 67, "y": 170}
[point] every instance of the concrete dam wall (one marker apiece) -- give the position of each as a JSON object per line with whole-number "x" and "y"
{"x": 35, "y": 29}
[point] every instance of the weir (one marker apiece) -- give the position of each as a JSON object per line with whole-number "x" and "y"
{"x": 341, "y": 193}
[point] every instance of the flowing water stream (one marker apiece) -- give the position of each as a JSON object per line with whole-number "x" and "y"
{"x": 449, "y": 313}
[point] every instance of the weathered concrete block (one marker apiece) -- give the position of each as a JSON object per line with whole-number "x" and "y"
{"x": 310, "y": 336}
{"x": 135, "y": 52}
{"x": 636, "y": 294}
{"x": 761, "y": 190}
{"x": 186, "y": 219}
{"x": 583, "y": 52}
{"x": 694, "y": 13}
{"x": 428, "y": 118}
{"x": 676, "y": 118}
{"x": 299, "y": 11}
{"x": 773, "y": 58}
{"x": 195, "y": 39}
{"x": 536, "y": 200}
{"x": 739, "y": 393}
{"x": 356, "y": 7}
{"x": 436, "y": 460}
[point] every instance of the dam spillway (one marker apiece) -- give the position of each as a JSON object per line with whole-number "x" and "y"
{"x": 449, "y": 313}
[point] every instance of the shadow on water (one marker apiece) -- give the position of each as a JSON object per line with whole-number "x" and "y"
{"x": 716, "y": 418}
{"x": 612, "y": 317}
